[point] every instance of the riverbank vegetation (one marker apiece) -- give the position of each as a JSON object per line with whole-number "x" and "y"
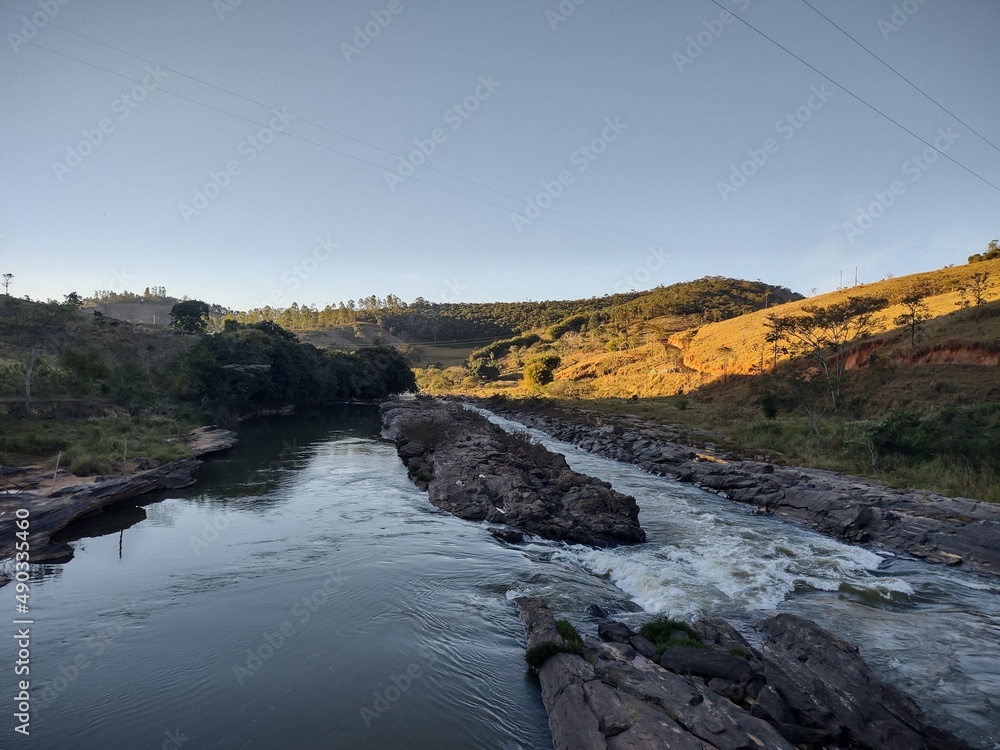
{"x": 99, "y": 395}
{"x": 895, "y": 379}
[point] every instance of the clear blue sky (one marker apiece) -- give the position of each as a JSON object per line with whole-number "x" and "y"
{"x": 504, "y": 96}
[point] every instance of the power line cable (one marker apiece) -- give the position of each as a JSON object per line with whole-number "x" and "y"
{"x": 900, "y": 75}
{"x": 850, "y": 93}
{"x": 335, "y": 132}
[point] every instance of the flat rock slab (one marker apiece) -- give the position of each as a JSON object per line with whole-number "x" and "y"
{"x": 818, "y": 686}
{"x": 806, "y": 689}
{"x": 50, "y": 512}
{"x": 477, "y": 471}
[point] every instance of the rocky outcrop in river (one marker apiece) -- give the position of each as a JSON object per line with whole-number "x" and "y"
{"x": 804, "y": 688}
{"x": 477, "y": 471}
{"x": 938, "y": 529}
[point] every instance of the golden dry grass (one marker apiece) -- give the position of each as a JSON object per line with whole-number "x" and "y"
{"x": 703, "y": 348}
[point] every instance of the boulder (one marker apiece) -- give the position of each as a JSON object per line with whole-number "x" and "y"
{"x": 475, "y": 470}
{"x": 819, "y": 689}
{"x": 510, "y": 536}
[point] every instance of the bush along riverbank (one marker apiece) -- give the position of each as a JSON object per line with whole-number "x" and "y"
{"x": 951, "y": 531}
{"x": 705, "y": 687}
{"x": 477, "y": 471}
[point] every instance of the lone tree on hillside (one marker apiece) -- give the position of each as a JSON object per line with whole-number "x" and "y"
{"x": 776, "y": 338}
{"x": 915, "y": 312}
{"x": 726, "y": 354}
{"x": 6, "y": 283}
{"x": 190, "y": 316}
{"x": 978, "y": 287}
{"x": 826, "y": 333}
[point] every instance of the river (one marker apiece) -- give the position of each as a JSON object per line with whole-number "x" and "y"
{"x": 304, "y": 594}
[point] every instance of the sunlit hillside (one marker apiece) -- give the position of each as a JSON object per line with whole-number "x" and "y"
{"x": 631, "y": 354}
{"x": 738, "y": 345}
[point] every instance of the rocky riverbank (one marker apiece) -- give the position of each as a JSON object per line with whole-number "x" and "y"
{"x": 952, "y": 531}
{"x": 706, "y": 687}
{"x": 477, "y": 471}
{"x": 51, "y": 511}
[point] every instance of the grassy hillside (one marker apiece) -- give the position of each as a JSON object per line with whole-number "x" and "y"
{"x": 921, "y": 413}
{"x": 704, "y": 348}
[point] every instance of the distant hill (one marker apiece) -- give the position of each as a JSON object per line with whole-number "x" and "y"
{"x": 668, "y": 341}
{"x": 423, "y": 322}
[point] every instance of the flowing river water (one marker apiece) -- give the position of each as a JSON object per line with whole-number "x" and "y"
{"x": 304, "y": 594}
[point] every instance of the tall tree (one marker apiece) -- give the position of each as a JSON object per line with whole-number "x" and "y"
{"x": 915, "y": 312}
{"x": 826, "y": 333}
{"x": 979, "y": 287}
{"x": 190, "y": 316}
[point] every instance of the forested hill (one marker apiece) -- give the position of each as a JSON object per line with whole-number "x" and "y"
{"x": 711, "y": 298}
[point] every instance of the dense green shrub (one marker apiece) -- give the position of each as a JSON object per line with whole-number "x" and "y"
{"x": 970, "y": 433}
{"x": 564, "y": 326}
{"x": 539, "y": 654}
{"x": 499, "y": 349}
{"x": 538, "y": 372}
